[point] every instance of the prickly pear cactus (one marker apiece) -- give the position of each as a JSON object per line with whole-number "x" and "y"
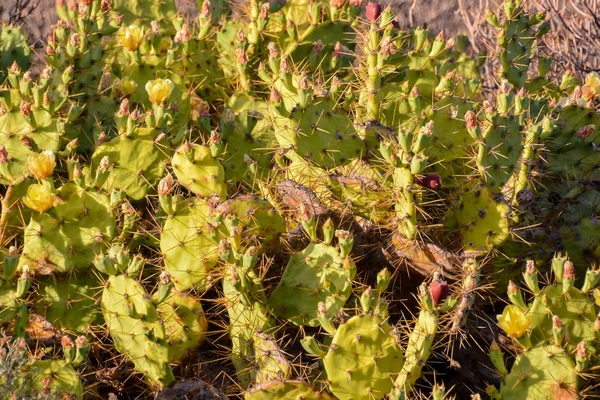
{"x": 14, "y": 50}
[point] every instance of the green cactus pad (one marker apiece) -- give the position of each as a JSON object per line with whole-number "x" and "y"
{"x": 58, "y": 376}
{"x": 483, "y": 219}
{"x": 285, "y": 390}
{"x": 575, "y": 309}
{"x": 134, "y": 326}
{"x": 257, "y": 216}
{"x": 69, "y": 303}
{"x": 543, "y": 373}
{"x": 9, "y": 305}
{"x": 316, "y": 274}
{"x": 363, "y": 359}
{"x": 138, "y": 162}
{"x": 199, "y": 171}
{"x": 189, "y": 250}
{"x": 319, "y": 134}
{"x": 185, "y": 322}
{"x": 13, "y": 47}
{"x": 145, "y": 10}
{"x": 70, "y": 234}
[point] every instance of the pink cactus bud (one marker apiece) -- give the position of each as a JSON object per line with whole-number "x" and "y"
{"x": 229, "y": 116}
{"x": 368, "y": 291}
{"x": 241, "y": 56}
{"x": 102, "y": 137}
{"x": 124, "y": 107}
{"x": 582, "y": 350}
{"x": 557, "y": 323}
{"x": 318, "y": 47}
{"x": 275, "y": 96}
{"x": 272, "y": 47}
{"x": 597, "y": 324}
{"x": 431, "y": 181}
{"x": 46, "y": 73}
{"x": 512, "y": 288}
{"x": 164, "y": 278}
{"x": 530, "y": 267}
{"x": 373, "y": 11}
{"x": 81, "y": 341}
{"x": 135, "y": 114}
{"x": 338, "y": 3}
{"x": 264, "y": 11}
{"x": 569, "y": 272}
{"x": 73, "y": 143}
{"x": 155, "y": 28}
{"x": 505, "y": 87}
{"x": 77, "y": 172}
{"x": 322, "y": 309}
{"x": 3, "y": 154}
{"x": 427, "y": 130}
{"x": 74, "y": 40}
{"x": 439, "y": 291}
{"x": 450, "y": 43}
{"x": 27, "y": 77}
{"x": 577, "y": 93}
{"x": 14, "y": 68}
{"x": 388, "y": 47}
{"x": 215, "y": 138}
{"x": 25, "y": 108}
{"x": 184, "y": 35}
{"x": 303, "y": 82}
{"x": 205, "y": 9}
{"x": 283, "y": 65}
{"x": 585, "y": 132}
{"x": 471, "y": 120}
{"x": 241, "y": 36}
{"x": 66, "y": 342}
{"x": 26, "y": 140}
{"x": 104, "y": 164}
{"x": 105, "y": 5}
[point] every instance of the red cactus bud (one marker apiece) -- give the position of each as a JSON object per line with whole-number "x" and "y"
{"x": 439, "y": 291}
{"x": 373, "y": 11}
{"x": 431, "y": 181}
{"x": 3, "y": 154}
{"x": 105, "y": 5}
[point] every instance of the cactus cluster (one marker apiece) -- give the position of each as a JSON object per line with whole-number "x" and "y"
{"x": 270, "y": 163}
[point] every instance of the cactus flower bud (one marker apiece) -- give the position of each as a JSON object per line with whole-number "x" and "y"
{"x": 338, "y": 3}
{"x": 124, "y": 107}
{"x": 514, "y": 321}
{"x": 39, "y": 197}
{"x": 183, "y": 35}
{"x": 14, "y": 69}
{"x": 66, "y": 342}
{"x": 569, "y": 272}
{"x": 585, "y": 132}
{"x": 205, "y": 9}
{"x": 25, "y": 108}
{"x": 264, "y": 11}
{"x": 275, "y": 96}
{"x": 159, "y": 90}
{"x": 471, "y": 120}
{"x": 127, "y": 86}
{"x": 388, "y": 47}
{"x": 3, "y": 154}
{"x": 131, "y": 37}
{"x": 272, "y": 47}
{"x": 241, "y": 56}
{"x": 41, "y": 165}
{"x": 104, "y": 164}
{"x": 105, "y": 5}
{"x": 165, "y": 185}
{"x": 373, "y": 12}
{"x": 439, "y": 291}
{"x": 431, "y": 181}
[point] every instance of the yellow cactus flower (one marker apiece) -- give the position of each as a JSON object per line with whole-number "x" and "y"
{"x": 159, "y": 90}
{"x": 591, "y": 89}
{"x": 41, "y": 165}
{"x": 597, "y": 296}
{"x": 127, "y": 86}
{"x": 514, "y": 321}
{"x": 131, "y": 37}
{"x": 39, "y": 197}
